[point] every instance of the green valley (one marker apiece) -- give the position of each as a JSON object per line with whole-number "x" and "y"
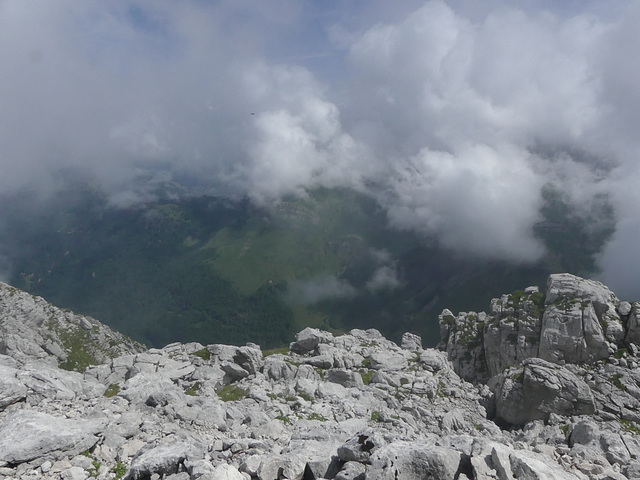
{"x": 213, "y": 270}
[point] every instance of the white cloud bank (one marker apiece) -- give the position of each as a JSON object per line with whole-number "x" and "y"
{"x": 439, "y": 109}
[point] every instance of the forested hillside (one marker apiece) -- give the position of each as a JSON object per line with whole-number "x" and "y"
{"x": 215, "y": 270}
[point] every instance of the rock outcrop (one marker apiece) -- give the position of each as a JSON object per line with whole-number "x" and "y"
{"x": 353, "y": 406}
{"x": 578, "y": 321}
{"x": 539, "y": 389}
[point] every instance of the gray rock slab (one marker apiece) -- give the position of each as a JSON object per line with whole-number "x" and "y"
{"x": 155, "y": 386}
{"x": 351, "y": 471}
{"x": 529, "y": 465}
{"x": 388, "y": 360}
{"x": 12, "y": 390}
{"x": 162, "y": 459}
{"x": 346, "y": 378}
{"x": 224, "y": 471}
{"x": 410, "y": 461}
{"x": 539, "y": 389}
{"x": 27, "y": 435}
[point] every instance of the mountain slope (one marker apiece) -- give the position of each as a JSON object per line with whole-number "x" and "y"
{"x": 211, "y": 269}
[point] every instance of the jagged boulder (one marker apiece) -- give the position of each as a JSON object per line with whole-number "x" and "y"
{"x": 308, "y": 339}
{"x": 151, "y": 389}
{"x": 538, "y": 389}
{"x": 351, "y": 471}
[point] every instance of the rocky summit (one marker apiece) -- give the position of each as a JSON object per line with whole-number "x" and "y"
{"x": 543, "y": 386}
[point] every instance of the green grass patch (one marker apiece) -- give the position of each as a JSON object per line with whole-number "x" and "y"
{"x": 441, "y": 391}
{"x": 367, "y": 376}
{"x": 375, "y": 416}
{"x": 77, "y": 344}
{"x": 629, "y": 427}
{"x": 119, "y": 469}
{"x": 316, "y": 416}
{"x": 621, "y": 352}
{"x": 615, "y": 379}
{"x": 232, "y": 393}
{"x": 284, "y": 419}
{"x": 515, "y": 297}
{"x": 94, "y": 469}
{"x": 204, "y": 354}
{"x": 275, "y": 351}
{"x": 306, "y": 396}
{"x": 112, "y": 390}
{"x": 193, "y": 390}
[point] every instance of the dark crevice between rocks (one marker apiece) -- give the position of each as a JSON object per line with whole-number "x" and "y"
{"x": 465, "y": 467}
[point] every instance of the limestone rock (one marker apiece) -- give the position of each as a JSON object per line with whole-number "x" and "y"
{"x": 290, "y": 466}
{"x": 454, "y": 421}
{"x": 27, "y": 435}
{"x": 31, "y": 328}
{"x": 571, "y": 333}
{"x": 633, "y": 324}
{"x": 538, "y": 389}
{"x": 536, "y": 467}
{"x": 462, "y": 339}
{"x": 277, "y": 369}
{"x": 351, "y": 471}
{"x": 411, "y": 341}
{"x": 512, "y": 331}
{"x": 152, "y": 389}
{"x": 308, "y": 339}
{"x": 345, "y": 378}
{"x": 388, "y": 360}
{"x": 225, "y": 471}
{"x": 12, "y": 390}
{"x": 564, "y": 287}
{"x": 361, "y": 448}
{"x": 162, "y": 459}
{"x": 334, "y": 407}
{"x": 44, "y": 380}
{"x": 413, "y": 462}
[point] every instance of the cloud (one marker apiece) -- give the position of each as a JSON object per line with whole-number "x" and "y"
{"x": 324, "y": 287}
{"x": 453, "y": 115}
{"x": 385, "y": 276}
